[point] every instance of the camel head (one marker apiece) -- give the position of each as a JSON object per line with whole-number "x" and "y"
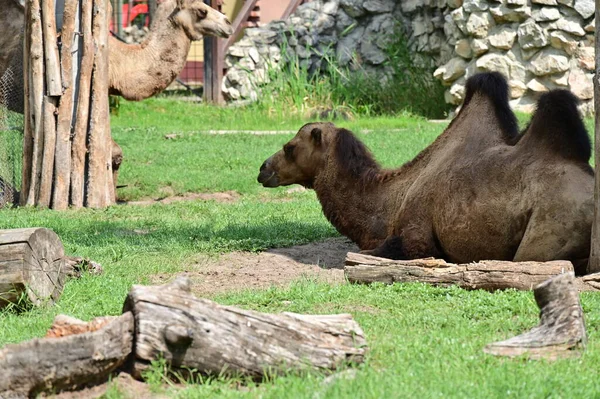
{"x": 198, "y": 19}
{"x": 300, "y": 159}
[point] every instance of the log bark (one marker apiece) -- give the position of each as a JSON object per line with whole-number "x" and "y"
{"x": 31, "y": 264}
{"x": 73, "y": 355}
{"x": 97, "y": 188}
{"x": 199, "y": 334}
{"x": 486, "y": 275}
{"x": 27, "y": 113}
{"x": 561, "y": 332}
{"x": 47, "y": 170}
{"x": 62, "y": 163}
{"x": 53, "y": 79}
{"x": 79, "y": 149}
{"x": 36, "y": 75}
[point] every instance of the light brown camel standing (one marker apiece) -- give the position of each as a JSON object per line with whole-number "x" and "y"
{"x": 136, "y": 71}
{"x": 479, "y": 191}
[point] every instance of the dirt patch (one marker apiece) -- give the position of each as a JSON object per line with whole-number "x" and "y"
{"x": 238, "y": 271}
{"x": 124, "y": 383}
{"x": 226, "y": 197}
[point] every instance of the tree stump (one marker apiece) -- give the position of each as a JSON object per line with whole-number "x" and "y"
{"x": 31, "y": 264}
{"x": 73, "y": 355}
{"x": 199, "y": 334}
{"x": 486, "y": 275}
{"x": 561, "y": 332}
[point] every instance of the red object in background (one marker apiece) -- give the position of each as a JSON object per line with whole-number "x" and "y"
{"x": 131, "y": 14}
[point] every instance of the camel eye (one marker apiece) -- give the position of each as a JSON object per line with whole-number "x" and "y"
{"x": 201, "y": 14}
{"x": 289, "y": 151}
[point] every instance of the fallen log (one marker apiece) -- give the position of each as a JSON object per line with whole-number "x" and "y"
{"x": 31, "y": 265}
{"x": 561, "y": 332}
{"x": 199, "y": 334}
{"x": 486, "y": 275}
{"x": 73, "y": 355}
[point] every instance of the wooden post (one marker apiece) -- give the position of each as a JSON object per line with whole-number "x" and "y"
{"x": 213, "y": 65}
{"x": 65, "y": 161}
{"x": 594, "y": 261}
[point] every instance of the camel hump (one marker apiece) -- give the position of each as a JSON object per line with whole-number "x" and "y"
{"x": 493, "y": 86}
{"x": 557, "y": 126}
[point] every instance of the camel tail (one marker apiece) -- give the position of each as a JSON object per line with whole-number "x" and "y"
{"x": 493, "y": 86}
{"x": 557, "y": 125}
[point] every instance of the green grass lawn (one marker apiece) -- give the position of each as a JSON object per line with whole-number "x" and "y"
{"x": 423, "y": 341}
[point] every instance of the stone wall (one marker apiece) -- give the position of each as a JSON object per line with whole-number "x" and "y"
{"x": 354, "y": 32}
{"x": 537, "y": 44}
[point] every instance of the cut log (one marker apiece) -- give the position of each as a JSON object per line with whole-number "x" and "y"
{"x": 47, "y": 171}
{"x": 561, "y": 332}
{"x": 73, "y": 355}
{"x": 486, "y": 275}
{"x": 31, "y": 264}
{"x": 199, "y": 334}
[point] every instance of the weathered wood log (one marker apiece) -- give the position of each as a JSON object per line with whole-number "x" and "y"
{"x": 561, "y": 332}
{"x": 487, "y": 275}
{"x": 49, "y": 129}
{"x": 31, "y": 264}
{"x": 73, "y": 355}
{"x": 78, "y": 148}
{"x": 32, "y": 155}
{"x": 53, "y": 79}
{"x": 199, "y": 334}
{"x": 62, "y": 163}
{"x": 99, "y": 167}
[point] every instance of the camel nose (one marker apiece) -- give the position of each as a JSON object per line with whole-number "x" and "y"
{"x": 265, "y": 164}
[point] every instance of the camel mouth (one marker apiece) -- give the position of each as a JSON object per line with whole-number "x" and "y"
{"x": 268, "y": 180}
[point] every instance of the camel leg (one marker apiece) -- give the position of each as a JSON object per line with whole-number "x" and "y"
{"x": 413, "y": 242}
{"x": 117, "y": 158}
{"x": 543, "y": 242}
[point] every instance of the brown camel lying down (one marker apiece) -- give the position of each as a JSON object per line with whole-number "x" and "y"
{"x": 479, "y": 191}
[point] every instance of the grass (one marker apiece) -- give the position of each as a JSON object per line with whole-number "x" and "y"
{"x": 423, "y": 341}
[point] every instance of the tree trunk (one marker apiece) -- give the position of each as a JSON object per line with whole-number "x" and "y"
{"x": 199, "y": 334}
{"x": 73, "y": 355}
{"x": 31, "y": 264}
{"x": 561, "y": 332}
{"x": 487, "y": 275}
{"x": 594, "y": 260}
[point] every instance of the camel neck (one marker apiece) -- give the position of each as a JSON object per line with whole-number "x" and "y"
{"x": 362, "y": 208}
{"x": 142, "y": 70}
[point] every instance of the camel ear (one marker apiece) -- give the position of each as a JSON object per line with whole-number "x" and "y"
{"x": 181, "y": 4}
{"x": 316, "y": 135}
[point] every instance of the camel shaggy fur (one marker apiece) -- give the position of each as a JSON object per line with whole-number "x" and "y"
{"x": 480, "y": 191}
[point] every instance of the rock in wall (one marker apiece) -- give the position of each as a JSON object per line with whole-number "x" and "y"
{"x": 537, "y": 44}
{"x": 353, "y": 32}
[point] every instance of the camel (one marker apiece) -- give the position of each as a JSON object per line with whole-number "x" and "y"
{"x": 480, "y": 191}
{"x": 136, "y": 71}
